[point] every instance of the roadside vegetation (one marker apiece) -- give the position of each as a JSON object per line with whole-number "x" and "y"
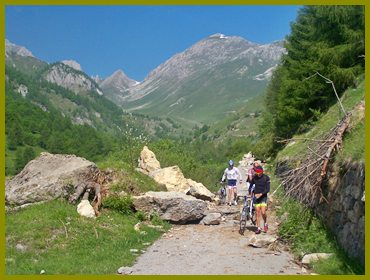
{"x": 52, "y": 237}
{"x": 300, "y": 227}
{"x": 305, "y": 233}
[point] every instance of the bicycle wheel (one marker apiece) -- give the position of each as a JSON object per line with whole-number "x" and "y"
{"x": 243, "y": 221}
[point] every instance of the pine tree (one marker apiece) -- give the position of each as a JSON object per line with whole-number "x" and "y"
{"x": 324, "y": 39}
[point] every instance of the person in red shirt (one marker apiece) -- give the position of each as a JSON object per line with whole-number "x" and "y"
{"x": 261, "y": 184}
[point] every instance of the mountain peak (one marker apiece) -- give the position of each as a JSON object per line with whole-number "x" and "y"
{"x": 118, "y": 81}
{"x": 72, "y": 63}
{"x": 119, "y": 74}
{"x": 218, "y": 36}
{"x": 15, "y": 49}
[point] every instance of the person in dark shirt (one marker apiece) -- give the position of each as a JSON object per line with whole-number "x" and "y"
{"x": 261, "y": 188}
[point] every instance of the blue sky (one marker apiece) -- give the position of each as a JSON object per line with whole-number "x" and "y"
{"x": 136, "y": 39}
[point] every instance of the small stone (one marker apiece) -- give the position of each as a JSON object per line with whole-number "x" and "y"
{"x": 124, "y": 270}
{"x": 20, "y": 247}
{"x": 315, "y": 257}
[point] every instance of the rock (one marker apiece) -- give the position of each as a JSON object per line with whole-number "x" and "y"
{"x": 175, "y": 207}
{"x": 148, "y": 161}
{"x": 261, "y": 241}
{"x": 125, "y": 270}
{"x": 211, "y": 219}
{"x": 172, "y": 178}
{"x": 199, "y": 191}
{"x": 315, "y": 257}
{"x": 85, "y": 209}
{"x": 20, "y": 247}
{"x": 137, "y": 226}
{"x": 47, "y": 177}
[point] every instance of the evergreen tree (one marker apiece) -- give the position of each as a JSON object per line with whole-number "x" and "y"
{"x": 324, "y": 39}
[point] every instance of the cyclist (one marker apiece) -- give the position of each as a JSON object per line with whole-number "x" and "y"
{"x": 262, "y": 187}
{"x": 231, "y": 173}
{"x": 250, "y": 174}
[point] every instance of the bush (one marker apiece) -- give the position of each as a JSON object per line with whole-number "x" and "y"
{"x": 122, "y": 204}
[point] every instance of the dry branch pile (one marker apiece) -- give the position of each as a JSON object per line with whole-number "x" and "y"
{"x": 305, "y": 182}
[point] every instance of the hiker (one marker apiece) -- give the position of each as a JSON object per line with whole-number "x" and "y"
{"x": 262, "y": 187}
{"x": 231, "y": 173}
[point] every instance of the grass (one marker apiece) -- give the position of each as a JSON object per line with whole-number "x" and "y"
{"x": 128, "y": 179}
{"x": 56, "y": 239}
{"x": 349, "y": 99}
{"x": 353, "y": 147}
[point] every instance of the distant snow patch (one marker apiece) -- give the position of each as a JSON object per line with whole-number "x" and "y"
{"x": 219, "y": 36}
{"x": 179, "y": 101}
{"x": 265, "y": 75}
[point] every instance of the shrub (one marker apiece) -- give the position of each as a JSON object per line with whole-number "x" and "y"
{"x": 122, "y": 204}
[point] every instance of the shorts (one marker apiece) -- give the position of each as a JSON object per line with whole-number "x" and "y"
{"x": 262, "y": 201}
{"x": 231, "y": 184}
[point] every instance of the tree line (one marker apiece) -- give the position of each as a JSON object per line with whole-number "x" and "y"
{"x": 329, "y": 40}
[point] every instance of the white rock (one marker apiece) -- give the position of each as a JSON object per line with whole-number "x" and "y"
{"x": 85, "y": 209}
{"x": 315, "y": 257}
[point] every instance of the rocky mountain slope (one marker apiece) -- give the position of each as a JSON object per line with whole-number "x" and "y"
{"x": 63, "y": 88}
{"x": 116, "y": 84}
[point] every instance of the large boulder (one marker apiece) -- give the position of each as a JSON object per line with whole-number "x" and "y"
{"x": 172, "y": 178}
{"x": 148, "y": 161}
{"x": 47, "y": 177}
{"x": 175, "y": 207}
{"x": 198, "y": 190}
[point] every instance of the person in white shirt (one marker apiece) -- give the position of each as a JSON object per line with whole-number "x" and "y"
{"x": 232, "y": 174}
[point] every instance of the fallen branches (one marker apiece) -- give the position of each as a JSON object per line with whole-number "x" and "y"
{"x": 302, "y": 139}
{"x": 336, "y": 143}
{"x": 305, "y": 182}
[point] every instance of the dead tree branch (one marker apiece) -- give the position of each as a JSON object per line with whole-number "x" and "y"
{"x": 305, "y": 181}
{"x": 302, "y": 139}
{"x": 328, "y": 81}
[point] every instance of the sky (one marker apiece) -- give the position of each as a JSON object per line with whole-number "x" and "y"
{"x": 136, "y": 39}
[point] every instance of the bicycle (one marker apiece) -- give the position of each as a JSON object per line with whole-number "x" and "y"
{"x": 222, "y": 193}
{"x": 248, "y": 213}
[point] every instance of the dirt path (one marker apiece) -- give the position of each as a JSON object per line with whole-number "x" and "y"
{"x": 213, "y": 250}
{"x": 198, "y": 249}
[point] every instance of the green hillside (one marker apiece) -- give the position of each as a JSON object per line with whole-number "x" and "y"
{"x": 204, "y": 99}
{"x": 354, "y": 141}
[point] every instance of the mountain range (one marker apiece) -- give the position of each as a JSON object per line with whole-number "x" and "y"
{"x": 213, "y": 78}
{"x": 204, "y": 84}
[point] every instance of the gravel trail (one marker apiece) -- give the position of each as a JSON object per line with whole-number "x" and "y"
{"x": 197, "y": 249}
